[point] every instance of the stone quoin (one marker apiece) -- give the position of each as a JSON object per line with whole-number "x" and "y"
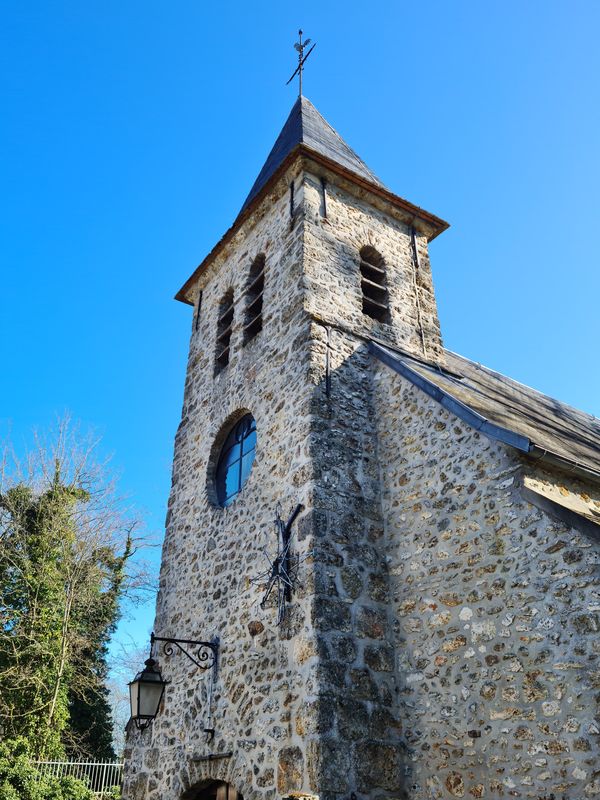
{"x": 441, "y": 637}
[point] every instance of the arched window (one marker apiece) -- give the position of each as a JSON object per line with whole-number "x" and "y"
{"x": 224, "y": 326}
{"x": 235, "y": 460}
{"x": 254, "y": 298}
{"x": 373, "y": 285}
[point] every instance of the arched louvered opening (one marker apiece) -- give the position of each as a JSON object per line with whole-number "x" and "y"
{"x": 224, "y": 326}
{"x": 373, "y": 284}
{"x": 254, "y": 298}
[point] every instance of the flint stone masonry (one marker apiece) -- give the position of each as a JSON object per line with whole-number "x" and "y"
{"x": 211, "y": 555}
{"x": 495, "y": 611}
{"x": 332, "y": 258}
{"x": 442, "y": 640}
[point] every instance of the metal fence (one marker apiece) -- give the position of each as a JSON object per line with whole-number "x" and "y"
{"x": 100, "y": 776}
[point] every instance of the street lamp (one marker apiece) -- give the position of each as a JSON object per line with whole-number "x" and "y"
{"x": 147, "y": 688}
{"x": 145, "y": 693}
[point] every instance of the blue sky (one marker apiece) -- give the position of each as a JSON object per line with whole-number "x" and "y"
{"x": 132, "y": 132}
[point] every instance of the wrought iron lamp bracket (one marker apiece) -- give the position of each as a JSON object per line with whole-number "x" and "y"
{"x": 205, "y": 654}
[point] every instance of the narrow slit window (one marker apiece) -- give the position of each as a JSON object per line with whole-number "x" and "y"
{"x": 224, "y": 326}
{"x": 254, "y": 299}
{"x": 373, "y": 283}
{"x": 199, "y": 309}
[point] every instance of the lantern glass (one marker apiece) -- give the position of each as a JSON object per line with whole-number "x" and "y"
{"x": 145, "y": 693}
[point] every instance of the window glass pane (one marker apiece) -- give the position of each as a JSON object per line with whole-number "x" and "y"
{"x": 229, "y": 441}
{"x": 249, "y": 442}
{"x": 232, "y": 480}
{"x": 234, "y": 454}
{"x": 235, "y": 460}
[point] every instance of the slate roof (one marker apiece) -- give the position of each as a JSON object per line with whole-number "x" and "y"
{"x": 306, "y": 126}
{"x": 505, "y": 409}
{"x": 307, "y": 132}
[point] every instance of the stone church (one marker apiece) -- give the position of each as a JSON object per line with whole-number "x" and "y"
{"x": 395, "y": 548}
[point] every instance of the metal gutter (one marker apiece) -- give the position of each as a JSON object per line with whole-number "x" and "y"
{"x": 565, "y": 464}
{"x": 438, "y": 224}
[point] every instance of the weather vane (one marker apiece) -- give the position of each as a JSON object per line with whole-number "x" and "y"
{"x": 300, "y": 46}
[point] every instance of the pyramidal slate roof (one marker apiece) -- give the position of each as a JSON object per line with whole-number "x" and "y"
{"x": 306, "y": 126}
{"x": 306, "y": 129}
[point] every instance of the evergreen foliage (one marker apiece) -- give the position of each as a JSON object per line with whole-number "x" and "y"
{"x": 20, "y": 780}
{"x": 63, "y": 553}
{"x": 90, "y": 723}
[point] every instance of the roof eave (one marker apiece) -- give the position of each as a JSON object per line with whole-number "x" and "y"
{"x": 437, "y": 224}
{"x": 568, "y": 465}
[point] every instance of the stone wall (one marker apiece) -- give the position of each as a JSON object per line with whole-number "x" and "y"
{"x": 211, "y": 555}
{"x": 332, "y": 268}
{"x": 495, "y": 606}
{"x": 294, "y": 705}
{"x": 359, "y": 752}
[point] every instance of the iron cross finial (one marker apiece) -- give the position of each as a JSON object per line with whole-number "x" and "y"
{"x": 300, "y": 46}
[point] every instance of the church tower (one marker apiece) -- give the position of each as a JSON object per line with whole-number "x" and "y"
{"x": 392, "y": 550}
{"x": 278, "y": 414}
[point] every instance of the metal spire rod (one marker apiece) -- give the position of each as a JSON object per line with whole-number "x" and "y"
{"x": 300, "y": 46}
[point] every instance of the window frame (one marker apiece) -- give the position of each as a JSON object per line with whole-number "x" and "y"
{"x": 243, "y": 430}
